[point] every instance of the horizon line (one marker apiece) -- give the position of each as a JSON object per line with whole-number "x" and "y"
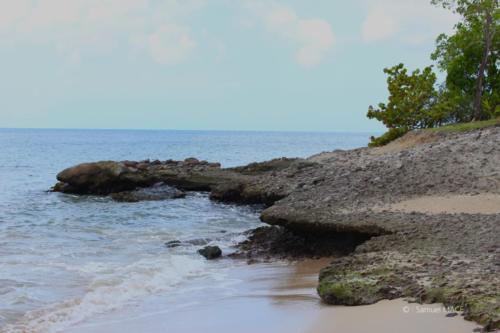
{"x": 189, "y": 130}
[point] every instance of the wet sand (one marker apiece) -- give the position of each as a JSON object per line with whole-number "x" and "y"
{"x": 275, "y": 297}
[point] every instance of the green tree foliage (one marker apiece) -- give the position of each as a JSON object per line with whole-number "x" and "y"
{"x": 412, "y": 98}
{"x": 470, "y": 57}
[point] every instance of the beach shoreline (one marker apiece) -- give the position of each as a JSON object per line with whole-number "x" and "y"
{"x": 276, "y": 297}
{"x": 405, "y": 214}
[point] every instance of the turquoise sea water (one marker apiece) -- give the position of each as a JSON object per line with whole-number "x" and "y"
{"x": 65, "y": 259}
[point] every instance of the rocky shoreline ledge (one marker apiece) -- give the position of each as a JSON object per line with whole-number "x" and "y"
{"x": 361, "y": 201}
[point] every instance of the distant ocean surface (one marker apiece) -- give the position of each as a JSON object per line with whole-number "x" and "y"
{"x": 65, "y": 259}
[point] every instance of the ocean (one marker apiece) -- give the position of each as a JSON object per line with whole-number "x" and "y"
{"x": 67, "y": 261}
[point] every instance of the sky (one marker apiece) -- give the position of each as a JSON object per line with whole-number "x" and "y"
{"x": 295, "y": 65}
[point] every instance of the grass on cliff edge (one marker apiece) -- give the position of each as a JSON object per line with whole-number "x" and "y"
{"x": 395, "y": 133}
{"x": 463, "y": 127}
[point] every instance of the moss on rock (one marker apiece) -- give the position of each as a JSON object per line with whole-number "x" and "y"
{"x": 342, "y": 285}
{"x": 365, "y": 278}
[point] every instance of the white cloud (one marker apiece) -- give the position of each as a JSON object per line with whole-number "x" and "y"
{"x": 409, "y": 21}
{"x": 170, "y": 44}
{"x": 74, "y": 25}
{"x": 313, "y": 37}
{"x": 317, "y": 38}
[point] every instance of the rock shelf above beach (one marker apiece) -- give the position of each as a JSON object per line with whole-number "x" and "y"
{"x": 362, "y": 190}
{"x": 446, "y": 252}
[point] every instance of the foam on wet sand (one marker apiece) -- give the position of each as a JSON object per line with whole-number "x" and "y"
{"x": 273, "y": 297}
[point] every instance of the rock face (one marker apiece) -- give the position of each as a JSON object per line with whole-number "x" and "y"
{"x": 210, "y": 252}
{"x": 102, "y": 178}
{"x": 156, "y": 192}
{"x": 273, "y": 242}
{"x": 227, "y": 185}
{"x": 446, "y": 257}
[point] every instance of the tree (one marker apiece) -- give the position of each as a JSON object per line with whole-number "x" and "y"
{"x": 472, "y": 53}
{"x": 470, "y": 57}
{"x": 412, "y": 98}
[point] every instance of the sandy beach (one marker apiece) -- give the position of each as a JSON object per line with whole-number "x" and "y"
{"x": 274, "y": 297}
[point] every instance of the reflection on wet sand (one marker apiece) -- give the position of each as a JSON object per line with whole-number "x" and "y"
{"x": 297, "y": 282}
{"x": 271, "y": 298}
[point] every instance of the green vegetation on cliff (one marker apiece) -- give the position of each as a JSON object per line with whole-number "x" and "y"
{"x": 462, "y": 127}
{"x": 470, "y": 59}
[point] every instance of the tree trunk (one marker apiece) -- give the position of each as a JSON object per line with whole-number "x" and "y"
{"x": 488, "y": 36}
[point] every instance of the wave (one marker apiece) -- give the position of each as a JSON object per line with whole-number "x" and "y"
{"x": 113, "y": 291}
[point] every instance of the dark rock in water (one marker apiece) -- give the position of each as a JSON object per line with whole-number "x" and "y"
{"x": 196, "y": 242}
{"x": 63, "y": 187}
{"x": 242, "y": 185}
{"x": 102, "y": 178}
{"x": 106, "y": 177}
{"x": 154, "y": 193}
{"x": 210, "y": 252}
{"x": 451, "y": 314}
{"x": 172, "y": 244}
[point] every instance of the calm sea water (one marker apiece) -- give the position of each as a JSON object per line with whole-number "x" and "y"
{"x": 65, "y": 259}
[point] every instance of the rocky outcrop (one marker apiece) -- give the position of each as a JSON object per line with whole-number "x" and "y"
{"x": 241, "y": 185}
{"x": 156, "y": 192}
{"x": 450, "y": 258}
{"x": 102, "y": 178}
{"x": 273, "y": 242}
{"x": 210, "y": 252}
{"x": 106, "y": 177}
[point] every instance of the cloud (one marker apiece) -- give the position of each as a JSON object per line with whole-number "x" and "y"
{"x": 71, "y": 26}
{"x": 170, "y": 44}
{"x": 409, "y": 21}
{"x": 317, "y": 38}
{"x": 313, "y": 37}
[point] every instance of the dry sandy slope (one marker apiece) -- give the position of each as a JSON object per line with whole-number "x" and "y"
{"x": 452, "y": 204}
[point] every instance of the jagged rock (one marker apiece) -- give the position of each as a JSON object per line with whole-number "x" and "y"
{"x": 154, "y": 193}
{"x": 101, "y": 178}
{"x": 210, "y": 252}
{"x": 173, "y": 244}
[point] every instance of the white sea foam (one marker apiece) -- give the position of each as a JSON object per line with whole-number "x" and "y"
{"x": 66, "y": 259}
{"x": 113, "y": 291}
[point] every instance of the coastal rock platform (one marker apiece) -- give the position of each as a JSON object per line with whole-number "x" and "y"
{"x": 447, "y": 252}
